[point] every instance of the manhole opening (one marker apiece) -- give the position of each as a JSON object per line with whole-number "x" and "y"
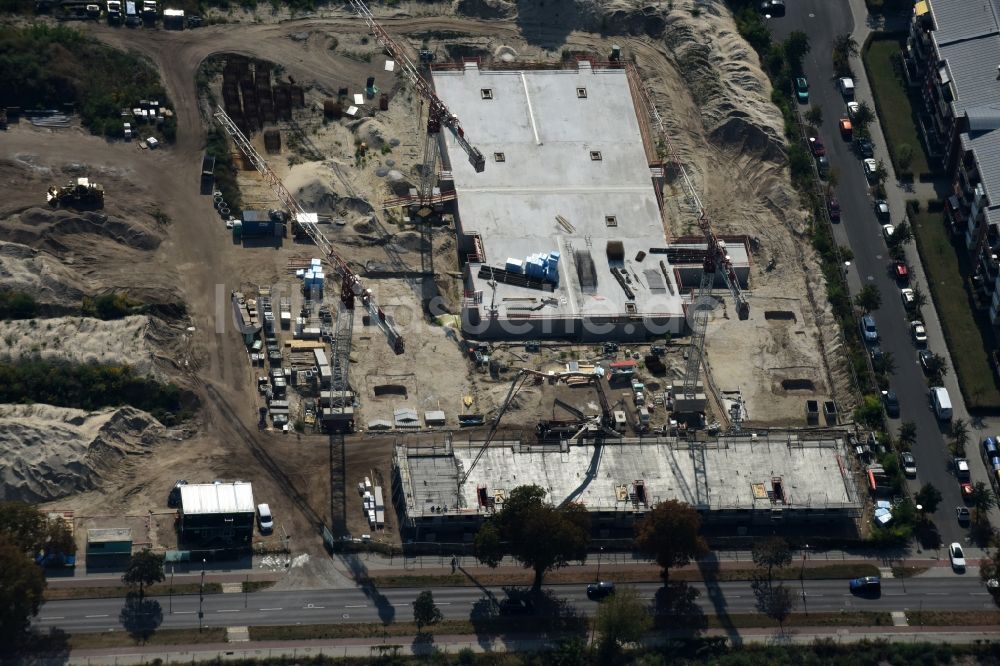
{"x": 798, "y": 385}
{"x": 390, "y": 389}
{"x": 783, "y": 315}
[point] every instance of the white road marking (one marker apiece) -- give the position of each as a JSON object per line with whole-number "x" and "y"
{"x": 444, "y": 603}
{"x": 228, "y": 610}
{"x": 268, "y": 609}
{"x": 184, "y": 613}
{"x": 53, "y": 617}
{"x": 360, "y": 606}
{"x": 105, "y": 615}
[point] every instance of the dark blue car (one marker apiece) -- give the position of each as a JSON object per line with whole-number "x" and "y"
{"x": 871, "y": 585}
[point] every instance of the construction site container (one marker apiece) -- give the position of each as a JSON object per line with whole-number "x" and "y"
{"x": 514, "y": 265}
{"x": 379, "y": 502}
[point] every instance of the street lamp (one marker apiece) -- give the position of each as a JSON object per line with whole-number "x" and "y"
{"x": 600, "y": 551}
{"x": 201, "y": 595}
{"x": 171, "y": 589}
{"x": 802, "y": 574}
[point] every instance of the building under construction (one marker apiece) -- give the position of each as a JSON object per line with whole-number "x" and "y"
{"x": 563, "y": 234}
{"x": 734, "y": 481}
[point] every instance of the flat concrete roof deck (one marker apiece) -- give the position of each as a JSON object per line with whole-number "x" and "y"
{"x": 736, "y": 473}
{"x": 547, "y": 134}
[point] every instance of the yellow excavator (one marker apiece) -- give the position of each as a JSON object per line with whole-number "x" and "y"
{"x": 81, "y": 194}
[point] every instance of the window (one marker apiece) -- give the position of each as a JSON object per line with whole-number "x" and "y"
{"x": 487, "y": 93}
{"x": 499, "y": 157}
{"x": 610, "y": 221}
{"x": 595, "y": 156}
{"x": 630, "y": 308}
{"x": 581, "y": 93}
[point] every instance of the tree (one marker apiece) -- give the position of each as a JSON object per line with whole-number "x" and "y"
{"x": 775, "y": 601}
{"x": 623, "y": 618}
{"x": 904, "y": 156}
{"x": 886, "y": 364}
{"x": 144, "y": 568}
{"x": 928, "y": 497}
{"x": 869, "y": 298}
{"x": 844, "y": 48}
{"x": 902, "y": 234}
{"x": 989, "y": 566}
{"x": 869, "y": 412}
{"x": 24, "y": 526}
{"x": 537, "y": 534}
{"x": 814, "y": 116}
{"x": 669, "y": 533}
{"x": 907, "y": 435}
{"x": 937, "y": 368}
{"x": 881, "y": 175}
{"x": 959, "y": 432}
{"x": 982, "y": 501}
{"x": 796, "y": 48}
{"x": 919, "y": 298}
{"x": 863, "y": 117}
{"x": 22, "y": 584}
{"x": 771, "y": 552}
{"x": 425, "y": 611}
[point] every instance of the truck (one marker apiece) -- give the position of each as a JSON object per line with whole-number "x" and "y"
{"x": 207, "y": 174}
{"x": 131, "y": 16}
{"x": 941, "y": 402}
{"x": 114, "y": 11}
{"x": 149, "y": 10}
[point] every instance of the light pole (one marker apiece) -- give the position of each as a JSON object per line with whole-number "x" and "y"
{"x": 600, "y": 552}
{"x": 802, "y": 575}
{"x": 201, "y": 595}
{"x": 171, "y": 589}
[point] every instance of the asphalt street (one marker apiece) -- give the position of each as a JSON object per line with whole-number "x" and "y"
{"x": 953, "y": 592}
{"x": 859, "y": 229}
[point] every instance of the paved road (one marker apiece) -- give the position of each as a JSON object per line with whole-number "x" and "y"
{"x": 859, "y": 229}
{"x": 329, "y": 606}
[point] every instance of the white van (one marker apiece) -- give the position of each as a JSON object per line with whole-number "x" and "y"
{"x": 941, "y": 402}
{"x": 264, "y": 519}
{"x": 846, "y": 84}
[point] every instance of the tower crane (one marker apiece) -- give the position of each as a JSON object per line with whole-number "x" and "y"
{"x": 604, "y": 423}
{"x": 716, "y": 261}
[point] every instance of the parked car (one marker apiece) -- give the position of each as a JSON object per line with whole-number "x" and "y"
{"x": 802, "y": 90}
{"x": 882, "y": 210}
{"x": 871, "y": 168}
{"x": 993, "y": 586}
{"x": 919, "y": 332}
{"x": 833, "y": 207}
{"x": 264, "y": 519}
{"x": 866, "y": 585}
{"x": 852, "y": 109}
{"x": 846, "y": 85}
{"x": 957, "y": 556}
{"x": 925, "y": 356}
{"x": 865, "y": 147}
{"x": 773, "y": 8}
{"x": 964, "y": 476}
{"x": 963, "y": 515}
{"x": 902, "y": 273}
{"x": 891, "y": 402}
{"x": 887, "y": 231}
{"x": 823, "y": 166}
{"x": 174, "y": 497}
{"x": 846, "y": 129}
{"x": 878, "y": 357}
{"x": 868, "y": 329}
{"x": 600, "y": 590}
{"x": 816, "y": 146}
{"x": 908, "y": 463}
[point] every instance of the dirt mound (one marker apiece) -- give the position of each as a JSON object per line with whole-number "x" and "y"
{"x": 484, "y": 9}
{"x": 42, "y": 227}
{"x": 48, "y": 452}
{"x": 55, "y": 288}
{"x": 316, "y": 196}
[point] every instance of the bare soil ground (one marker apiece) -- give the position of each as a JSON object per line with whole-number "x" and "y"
{"x": 705, "y": 81}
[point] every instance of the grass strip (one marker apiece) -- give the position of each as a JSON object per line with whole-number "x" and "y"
{"x": 257, "y": 585}
{"x": 944, "y": 264}
{"x": 908, "y": 572}
{"x": 55, "y": 593}
{"x": 161, "y": 637}
{"x": 644, "y": 575}
{"x": 953, "y": 618}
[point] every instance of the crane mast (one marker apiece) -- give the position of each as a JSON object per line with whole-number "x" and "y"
{"x": 352, "y": 287}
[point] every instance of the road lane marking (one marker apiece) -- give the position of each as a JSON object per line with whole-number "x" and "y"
{"x": 90, "y": 616}
{"x": 184, "y": 613}
{"x": 268, "y": 609}
{"x": 441, "y": 603}
{"x": 361, "y": 606}
{"x": 228, "y": 610}
{"x": 53, "y": 617}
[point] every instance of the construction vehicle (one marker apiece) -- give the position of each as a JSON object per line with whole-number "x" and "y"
{"x": 81, "y": 194}
{"x": 688, "y": 398}
{"x": 600, "y": 427}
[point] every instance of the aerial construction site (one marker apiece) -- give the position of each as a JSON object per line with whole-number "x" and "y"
{"x": 441, "y": 252}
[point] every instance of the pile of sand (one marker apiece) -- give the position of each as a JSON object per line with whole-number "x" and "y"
{"x": 54, "y": 287}
{"x": 43, "y": 227}
{"x": 48, "y": 452}
{"x": 81, "y": 340}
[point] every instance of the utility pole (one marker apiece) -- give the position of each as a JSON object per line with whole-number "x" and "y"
{"x": 171, "y": 589}
{"x": 201, "y": 595}
{"x": 599, "y": 553}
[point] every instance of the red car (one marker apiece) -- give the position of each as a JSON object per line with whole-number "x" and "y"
{"x": 833, "y": 206}
{"x": 966, "y": 490}
{"x": 901, "y": 270}
{"x": 816, "y": 146}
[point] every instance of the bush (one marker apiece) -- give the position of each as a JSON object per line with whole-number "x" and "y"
{"x": 111, "y": 306}
{"x": 217, "y": 145}
{"x": 17, "y": 305}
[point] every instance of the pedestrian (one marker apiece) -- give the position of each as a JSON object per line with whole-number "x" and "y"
{"x": 454, "y": 564}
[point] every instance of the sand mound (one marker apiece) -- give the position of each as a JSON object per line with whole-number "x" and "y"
{"x": 50, "y": 452}
{"x": 44, "y": 227}
{"x": 371, "y": 131}
{"x": 317, "y": 196}
{"x": 54, "y": 287}
{"x": 81, "y": 340}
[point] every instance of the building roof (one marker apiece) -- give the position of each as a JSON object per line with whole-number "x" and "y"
{"x": 109, "y": 534}
{"x": 972, "y": 65}
{"x": 434, "y": 415}
{"x": 957, "y": 20}
{"x": 985, "y": 146}
{"x": 572, "y": 147}
{"x": 207, "y": 498}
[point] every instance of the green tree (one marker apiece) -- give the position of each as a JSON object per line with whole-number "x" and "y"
{"x": 928, "y": 497}
{"x": 623, "y": 618}
{"x": 538, "y": 535}
{"x": 814, "y": 116}
{"x": 919, "y": 298}
{"x": 869, "y": 298}
{"x": 904, "y": 156}
{"x": 799, "y": 162}
{"x": 959, "y": 433}
{"x": 775, "y": 601}
{"x": 770, "y": 553}
{"x": 670, "y": 534}
{"x": 881, "y": 175}
{"x": 24, "y": 525}
{"x": 863, "y": 118}
{"x": 796, "y": 49}
{"x": 869, "y": 412}
{"x": 989, "y": 566}
{"x": 886, "y": 365}
{"x": 844, "y": 48}
{"x": 144, "y": 568}
{"x": 907, "y": 435}
{"x": 937, "y": 368}
{"x": 982, "y": 501}
{"x": 902, "y": 234}
{"x": 425, "y": 611}
{"x": 22, "y": 584}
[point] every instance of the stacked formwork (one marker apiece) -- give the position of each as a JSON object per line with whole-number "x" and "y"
{"x": 235, "y": 70}
{"x": 250, "y": 97}
{"x": 265, "y": 101}
{"x": 283, "y": 101}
